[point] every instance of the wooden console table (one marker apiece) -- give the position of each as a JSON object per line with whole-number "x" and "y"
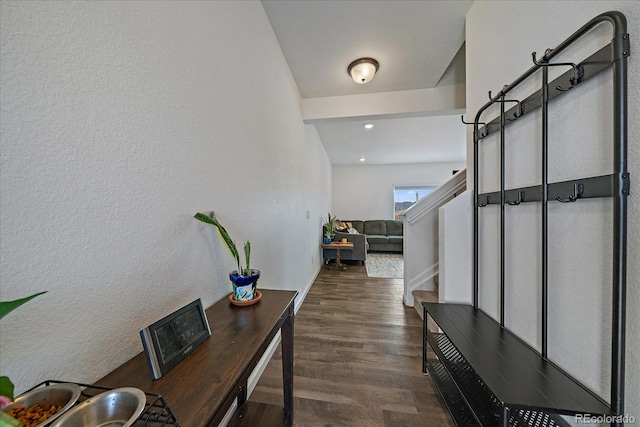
{"x": 338, "y": 246}
{"x": 201, "y": 389}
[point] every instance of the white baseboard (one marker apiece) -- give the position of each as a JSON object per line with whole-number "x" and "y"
{"x": 303, "y": 294}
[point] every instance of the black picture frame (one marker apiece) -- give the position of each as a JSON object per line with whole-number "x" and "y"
{"x": 171, "y": 339}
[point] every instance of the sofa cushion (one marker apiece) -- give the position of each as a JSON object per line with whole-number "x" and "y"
{"x": 376, "y": 239}
{"x": 395, "y": 240}
{"x": 394, "y": 228}
{"x": 358, "y": 225}
{"x": 375, "y": 227}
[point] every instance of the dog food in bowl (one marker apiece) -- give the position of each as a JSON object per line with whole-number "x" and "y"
{"x": 39, "y": 407}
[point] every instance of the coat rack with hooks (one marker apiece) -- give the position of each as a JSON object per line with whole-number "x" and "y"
{"x": 486, "y": 374}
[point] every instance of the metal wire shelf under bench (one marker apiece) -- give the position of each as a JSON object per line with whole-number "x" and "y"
{"x": 485, "y": 373}
{"x": 156, "y": 411}
{"x": 497, "y": 370}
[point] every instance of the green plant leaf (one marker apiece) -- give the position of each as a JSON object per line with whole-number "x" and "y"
{"x": 6, "y": 387}
{"x": 7, "y": 420}
{"x": 247, "y": 257}
{"x": 329, "y": 223}
{"x": 231, "y": 246}
{"x": 7, "y": 307}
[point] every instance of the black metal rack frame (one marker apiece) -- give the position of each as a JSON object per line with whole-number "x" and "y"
{"x": 616, "y": 185}
{"x": 156, "y": 411}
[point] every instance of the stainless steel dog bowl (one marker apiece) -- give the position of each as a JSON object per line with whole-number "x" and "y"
{"x": 64, "y": 395}
{"x": 120, "y": 407}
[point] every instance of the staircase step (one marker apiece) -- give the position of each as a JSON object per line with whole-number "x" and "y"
{"x": 425, "y": 296}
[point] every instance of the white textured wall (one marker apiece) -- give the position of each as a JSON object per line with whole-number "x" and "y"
{"x": 318, "y": 200}
{"x": 455, "y": 252}
{"x": 120, "y": 120}
{"x": 366, "y": 191}
{"x": 420, "y": 250}
{"x": 579, "y": 233}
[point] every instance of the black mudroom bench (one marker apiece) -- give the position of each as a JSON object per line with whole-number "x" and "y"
{"x": 483, "y": 369}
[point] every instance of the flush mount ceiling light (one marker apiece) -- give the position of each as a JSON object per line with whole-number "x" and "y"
{"x": 363, "y": 70}
{"x": 368, "y": 126}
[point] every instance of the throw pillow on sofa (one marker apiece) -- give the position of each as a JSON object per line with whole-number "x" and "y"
{"x": 358, "y": 225}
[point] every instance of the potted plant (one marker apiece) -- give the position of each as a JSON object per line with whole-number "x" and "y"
{"x": 6, "y": 386}
{"x": 329, "y": 224}
{"x": 244, "y": 280}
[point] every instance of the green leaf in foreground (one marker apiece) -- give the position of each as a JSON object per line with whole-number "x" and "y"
{"x": 7, "y": 420}
{"x": 6, "y": 387}
{"x": 7, "y": 307}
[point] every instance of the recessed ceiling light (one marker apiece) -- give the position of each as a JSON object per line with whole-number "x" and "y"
{"x": 362, "y": 159}
{"x": 368, "y": 126}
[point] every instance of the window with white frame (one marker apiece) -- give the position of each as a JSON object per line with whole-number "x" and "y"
{"x": 405, "y": 197}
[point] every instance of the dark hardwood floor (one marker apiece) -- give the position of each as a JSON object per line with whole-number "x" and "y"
{"x": 357, "y": 357}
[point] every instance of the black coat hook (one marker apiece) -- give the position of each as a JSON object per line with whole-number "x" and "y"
{"x": 578, "y": 72}
{"x": 470, "y": 123}
{"x": 501, "y": 93}
{"x": 518, "y": 200}
{"x": 482, "y": 135}
{"x": 519, "y": 111}
{"x": 578, "y": 189}
{"x": 486, "y": 202}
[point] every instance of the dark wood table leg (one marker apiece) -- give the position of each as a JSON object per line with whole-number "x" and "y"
{"x": 287, "y": 366}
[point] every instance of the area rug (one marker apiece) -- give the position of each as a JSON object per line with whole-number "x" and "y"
{"x": 388, "y": 266}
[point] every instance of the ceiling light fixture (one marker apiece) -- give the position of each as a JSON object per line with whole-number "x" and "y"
{"x": 368, "y": 126}
{"x": 362, "y": 159}
{"x": 363, "y": 70}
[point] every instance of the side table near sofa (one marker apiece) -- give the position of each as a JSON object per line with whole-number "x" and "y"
{"x": 338, "y": 246}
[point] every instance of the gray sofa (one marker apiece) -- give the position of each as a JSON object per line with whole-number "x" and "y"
{"x": 382, "y": 234}
{"x": 373, "y": 235}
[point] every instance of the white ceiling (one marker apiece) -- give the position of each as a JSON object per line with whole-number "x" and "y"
{"x": 414, "y": 42}
{"x": 395, "y": 140}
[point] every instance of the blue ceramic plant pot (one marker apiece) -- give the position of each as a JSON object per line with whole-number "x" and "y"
{"x": 327, "y": 240}
{"x": 244, "y": 287}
